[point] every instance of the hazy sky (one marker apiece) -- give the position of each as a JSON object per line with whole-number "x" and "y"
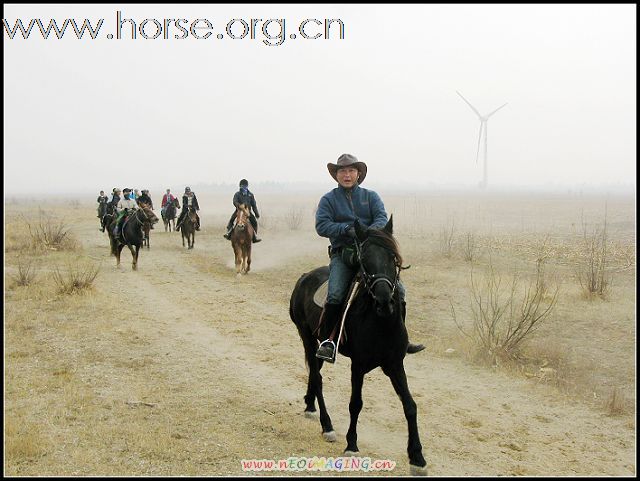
{"x": 85, "y": 115}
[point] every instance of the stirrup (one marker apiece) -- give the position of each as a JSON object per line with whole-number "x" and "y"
{"x": 322, "y": 353}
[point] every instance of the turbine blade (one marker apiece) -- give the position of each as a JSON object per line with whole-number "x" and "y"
{"x": 467, "y": 102}
{"x": 479, "y": 138}
{"x": 495, "y": 111}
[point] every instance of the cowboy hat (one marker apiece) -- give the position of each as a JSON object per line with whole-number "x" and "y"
{"x": 347, "y": 160}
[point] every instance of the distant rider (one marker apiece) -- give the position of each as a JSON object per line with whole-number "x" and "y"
{"x": 244, "y": 196}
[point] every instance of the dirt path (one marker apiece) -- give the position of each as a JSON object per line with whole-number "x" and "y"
{"x": 229, "y": 344}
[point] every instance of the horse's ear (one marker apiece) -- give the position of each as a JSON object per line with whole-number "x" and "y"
{"x": 389, "y": 227}
{"x": 361, "y": 232}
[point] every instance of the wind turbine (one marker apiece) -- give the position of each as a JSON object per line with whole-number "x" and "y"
{"x": 484, "y": 120}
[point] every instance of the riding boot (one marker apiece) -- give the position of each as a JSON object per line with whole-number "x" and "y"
{"x": 327, "y": 349}
{"x": 229, "y": 231}
{"x": 411, "y": 348}
{"x": 198, "y": 223}
{"x": 255, "y": 238}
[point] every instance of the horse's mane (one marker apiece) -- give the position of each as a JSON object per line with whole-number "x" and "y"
{"x": 385, "y": 240}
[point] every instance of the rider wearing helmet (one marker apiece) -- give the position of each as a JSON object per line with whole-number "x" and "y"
{"x": 188, "y": 200}
{"x": 244, "y": 196}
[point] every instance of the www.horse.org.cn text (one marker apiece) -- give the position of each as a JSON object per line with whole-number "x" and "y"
{"x": 271, "y": 32}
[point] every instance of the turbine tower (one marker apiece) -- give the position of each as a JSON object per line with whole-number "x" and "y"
{"x": 484, "y": 120}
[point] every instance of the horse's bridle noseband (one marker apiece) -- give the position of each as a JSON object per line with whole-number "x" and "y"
{"x": 370, "y": 280}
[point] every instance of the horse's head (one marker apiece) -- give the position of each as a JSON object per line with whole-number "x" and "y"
{"x": 146, "y": 214}
{"x": 380, "y": 262}
{"x": 192, "y": 214}
{"x": 242, "y": 216}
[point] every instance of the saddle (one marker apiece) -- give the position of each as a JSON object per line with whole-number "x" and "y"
{"x": 120, "y": 236}
{"x": 320, "y": 298}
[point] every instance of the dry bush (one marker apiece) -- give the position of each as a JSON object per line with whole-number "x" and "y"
{"x": 469, "y": 247}
{"x": 294, "y": 217}
{"x": 78, "y": 277}
{"x": 505, "y": 318}
{"x": 46, "y": 233}
{"x": 446, "y": 239}
{"x": 592, "y": 270}
{"x": 617, "y": 403}
{"x": 26, "y": 274}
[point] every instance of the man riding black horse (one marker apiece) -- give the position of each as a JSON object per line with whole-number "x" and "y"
{"x": 337, "y": 212}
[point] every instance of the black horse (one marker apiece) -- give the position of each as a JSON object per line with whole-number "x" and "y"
{"x": 132, "y": 234}
{"x": 108, "y": 217}
{"x": 102, "y": 210}
{"x": 188, "y": 227}
{"x": 375, "y": 335}
{"x": 169, "y": 214}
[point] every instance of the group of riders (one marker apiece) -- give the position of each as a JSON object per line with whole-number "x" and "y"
{"x": 132, "y": 199}
{"x": 338, "y": 212}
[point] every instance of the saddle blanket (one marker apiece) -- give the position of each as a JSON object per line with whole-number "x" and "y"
{"x": 320, "y": 297}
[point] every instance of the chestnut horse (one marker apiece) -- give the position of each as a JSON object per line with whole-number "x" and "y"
{"x": 146, "y": 227}
{"x": 241, "y": 238}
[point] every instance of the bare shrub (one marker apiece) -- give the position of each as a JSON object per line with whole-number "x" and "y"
{"x": 77, "y": 278}
{"x": 49, "y": 234}
{"x": 504, "y": 318}
{"x": 26, "y": 274}
{"x": 294, "y": 217}
{"x": 469, "y": 247}
{"x": 592, "y": 270}
{"x": 617, "y": 403}
{"x": 446, "y": 239}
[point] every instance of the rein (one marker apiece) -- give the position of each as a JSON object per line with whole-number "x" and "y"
{"x": 370, "y": 280}
{"x": 140, "y": 222}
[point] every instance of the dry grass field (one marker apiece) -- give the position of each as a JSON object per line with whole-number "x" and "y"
{"x": 183, "y": 368}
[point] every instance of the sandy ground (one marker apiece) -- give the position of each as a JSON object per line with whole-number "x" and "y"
{"x": 221, "y": 365}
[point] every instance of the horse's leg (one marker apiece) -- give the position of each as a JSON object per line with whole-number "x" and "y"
{"x": 237, "y": 251}
{"x": 328, "y": 433}
{"x": 118, "y": 252}
{"x": 134, "y": 255}
{"x": 248, "y": 258}
{"x": 182, "y": 232}
{"x": 355, "y": 406}
{"x": 414, "y": 448}
{"x": 310, "y": 347}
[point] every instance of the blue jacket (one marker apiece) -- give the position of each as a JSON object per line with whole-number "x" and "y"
{"x": 339, "y": 208}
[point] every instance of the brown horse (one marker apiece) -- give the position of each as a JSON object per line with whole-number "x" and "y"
{"x": 146, "y": 227}
{"x": 241, "y": 240}
{"x": 188, "y": 227}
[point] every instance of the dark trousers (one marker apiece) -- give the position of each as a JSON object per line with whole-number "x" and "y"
{"x": 181, "y": 217}
{"x": 252, "y": 219}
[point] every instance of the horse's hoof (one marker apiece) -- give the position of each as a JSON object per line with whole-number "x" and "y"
{"x": 417, "y": 470}
{"x": 351, "y": 453}
{"x": 330, "y": 436}
{"x": 311, "y": 414}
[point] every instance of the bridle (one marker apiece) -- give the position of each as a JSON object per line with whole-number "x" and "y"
{"x": 371, "y": 280}
{"x": 241, "y": 217}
